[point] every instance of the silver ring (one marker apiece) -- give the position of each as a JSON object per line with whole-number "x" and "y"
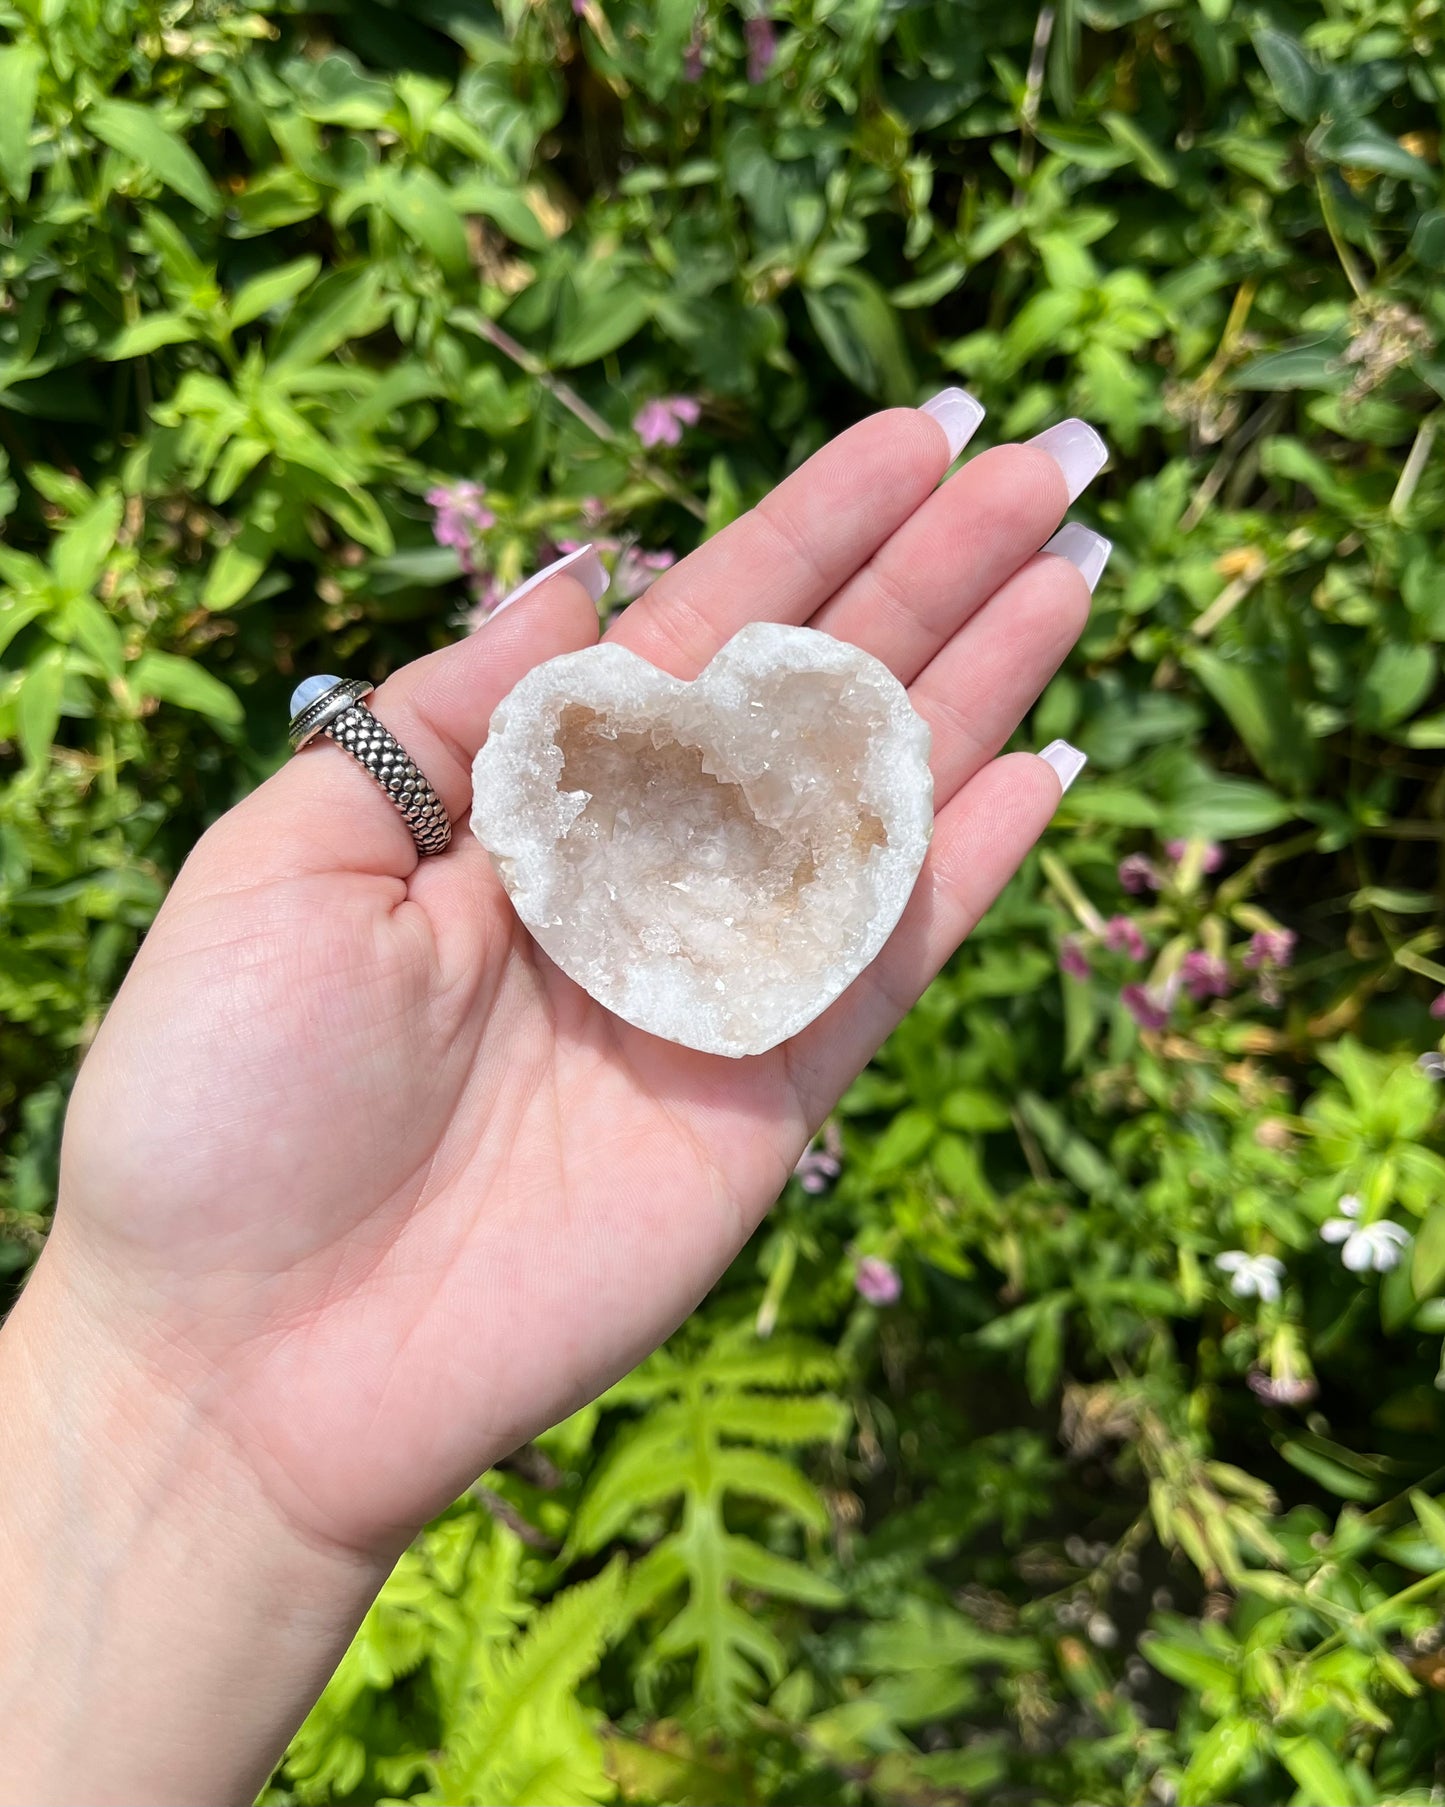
{"x": 333, "y": 707}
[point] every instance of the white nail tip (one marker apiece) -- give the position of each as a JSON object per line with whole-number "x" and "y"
{"x": 1086, "y": 550}
{"x": 585, "y": 566}
{"x": 1067, "y": 761}
{"x": 1078, "y": 451}
{"x": 958, "y": 413}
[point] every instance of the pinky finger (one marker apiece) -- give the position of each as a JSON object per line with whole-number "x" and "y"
{"x": 979, "y": 841}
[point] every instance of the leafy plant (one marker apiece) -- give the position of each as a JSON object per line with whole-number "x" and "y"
{"x": 1068, "y": 1433}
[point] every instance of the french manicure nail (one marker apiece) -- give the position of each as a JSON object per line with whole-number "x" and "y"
{"x": 1083, "y": 548}
{"x": 1067, "y": 761}
{"x": 1078, "y": 451}
{"x": 584, "y": 565}
{"x": 958, "y": 413}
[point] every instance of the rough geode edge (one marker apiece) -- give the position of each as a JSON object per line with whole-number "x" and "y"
{"x": 895, "y": 783}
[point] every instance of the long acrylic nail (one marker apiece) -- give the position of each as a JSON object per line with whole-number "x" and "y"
{"x": 1078, "y": 451}
{"x": 1067, "y": 761}
{"x": 1083, "y": 548}
{"x": 958, "y": 413}
{"x": 584, "y": 565}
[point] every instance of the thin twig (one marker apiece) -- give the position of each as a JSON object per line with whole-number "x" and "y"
{"x": 1229, "y": 455}
{"x": 1414, "y": 466}
{"x": 1033, "y": 95}
{"x": 568, "y": 397}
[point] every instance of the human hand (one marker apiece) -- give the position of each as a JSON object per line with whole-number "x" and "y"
{"x": 356, "y": 1173}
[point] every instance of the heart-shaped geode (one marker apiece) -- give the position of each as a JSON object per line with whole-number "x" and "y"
{"x": 713, "y": 861}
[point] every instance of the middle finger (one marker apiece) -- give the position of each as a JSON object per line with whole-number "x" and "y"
{"x": 966, "y": 540}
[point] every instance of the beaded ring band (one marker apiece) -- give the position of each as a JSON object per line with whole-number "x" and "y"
{"x": 333, "y": 707}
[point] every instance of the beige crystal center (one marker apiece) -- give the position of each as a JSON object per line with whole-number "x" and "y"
{"x": 713, "y": 861}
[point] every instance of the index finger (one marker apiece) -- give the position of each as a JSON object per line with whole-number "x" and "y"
{"x": 785, "y": 558}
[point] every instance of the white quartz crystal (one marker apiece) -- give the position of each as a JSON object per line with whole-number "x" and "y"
{"x": 713, "y": 861}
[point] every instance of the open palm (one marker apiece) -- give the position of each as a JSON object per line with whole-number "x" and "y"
{"x": 369, "y": 1179}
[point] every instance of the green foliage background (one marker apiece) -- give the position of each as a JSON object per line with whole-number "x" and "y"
{"x": 1073, "y": 1520}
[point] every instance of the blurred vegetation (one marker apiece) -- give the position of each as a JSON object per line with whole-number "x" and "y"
{"x": 979, "y": 1479}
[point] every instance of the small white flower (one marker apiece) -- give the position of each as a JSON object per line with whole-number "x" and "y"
{"x": 1369, "y": 1245}
{"x": 1253, "y": 1276}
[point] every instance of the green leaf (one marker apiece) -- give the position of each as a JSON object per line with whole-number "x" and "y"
{"x": 1154, "y": 164}
{"x": 1396, "y": 682}
{"x": 420, "y": 205}
{"x": 1317, "y": 1771}
{"x": 1432, "y": 1518}
{"x": 505, "y": 208}
{"x": 83, "y": 547}
{"x": 1427, "y": 241}
{"x": 1333, "y": 1476}
{"x": 756, "y": 1567}
{"x": 345, "y": 304}
{"x": 90, "y": 625}
{"x": 1216, "y": 1760}
{"x": 903, "y": 1141}
{"x": 1361, "y": 144}
{"x": 137, "y": 133}
{"x": 602, "y": 321}
{"x": 149, "y": 334}
{"x": 1315, "y": 363}
{"x": 19, "y": 86}
{"x": 1045, "y": 1354}
{"x": 860, "y": 332}
{"x": 187, "y": 685}
{"x": 37, "y": 710}
{"x": 1078, "y": 1158}
{"x": 1294, "y": 78}
{"x": 1192, "y": 1666}
{"x": 1256, "y": 698}
{"x": 17, "y": 612}
{"x": 971, "y": 1108}
{"x": 271, "y": 290}
{"x": 1427, "y": 1261}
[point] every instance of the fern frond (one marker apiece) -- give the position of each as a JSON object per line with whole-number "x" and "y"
{"x": 765, "y": 1571}
{"x": 644, "y": 1468}
{"x": 768, "y": 1477}
{"x": 782, "y": 1422}
{"x": 519, "y": 1711}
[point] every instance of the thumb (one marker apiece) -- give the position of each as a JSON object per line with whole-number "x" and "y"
{"x": 323, "y": 812}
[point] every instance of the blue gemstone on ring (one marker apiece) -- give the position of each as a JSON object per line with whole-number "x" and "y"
{"x": 309, "y": 689}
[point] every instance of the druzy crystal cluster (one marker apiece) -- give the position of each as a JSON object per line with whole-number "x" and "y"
{"x": 713, "y": 861}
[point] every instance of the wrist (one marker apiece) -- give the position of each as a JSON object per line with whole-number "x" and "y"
{"x": 167, "y": 1627}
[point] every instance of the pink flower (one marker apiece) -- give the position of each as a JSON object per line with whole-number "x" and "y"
{"x": 1072, "y": 958}
{"x": 1213, "y": 854}
{"x": 1437, "y": 1009}
{"x": 1270, "y": 947}
{"x": 459, "y": 517}
{"x": 1122, "y": 935}
{"x": 661, "y": 422}
{"x": 1204, "y": 975}
{"x": 877, "y": 1281}
{"x": 635, "y": 570}
{"x": 762, "y": 47}
{"x": 1149, "y": 1009}
{"x": 1281, "y": 1389}
{"x": 1137, "y": 873}
{"x": 817, "y": 1169}
{"x": 593, "y": 510}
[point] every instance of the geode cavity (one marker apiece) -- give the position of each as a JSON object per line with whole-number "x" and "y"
{"x": 713, "y": 861}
